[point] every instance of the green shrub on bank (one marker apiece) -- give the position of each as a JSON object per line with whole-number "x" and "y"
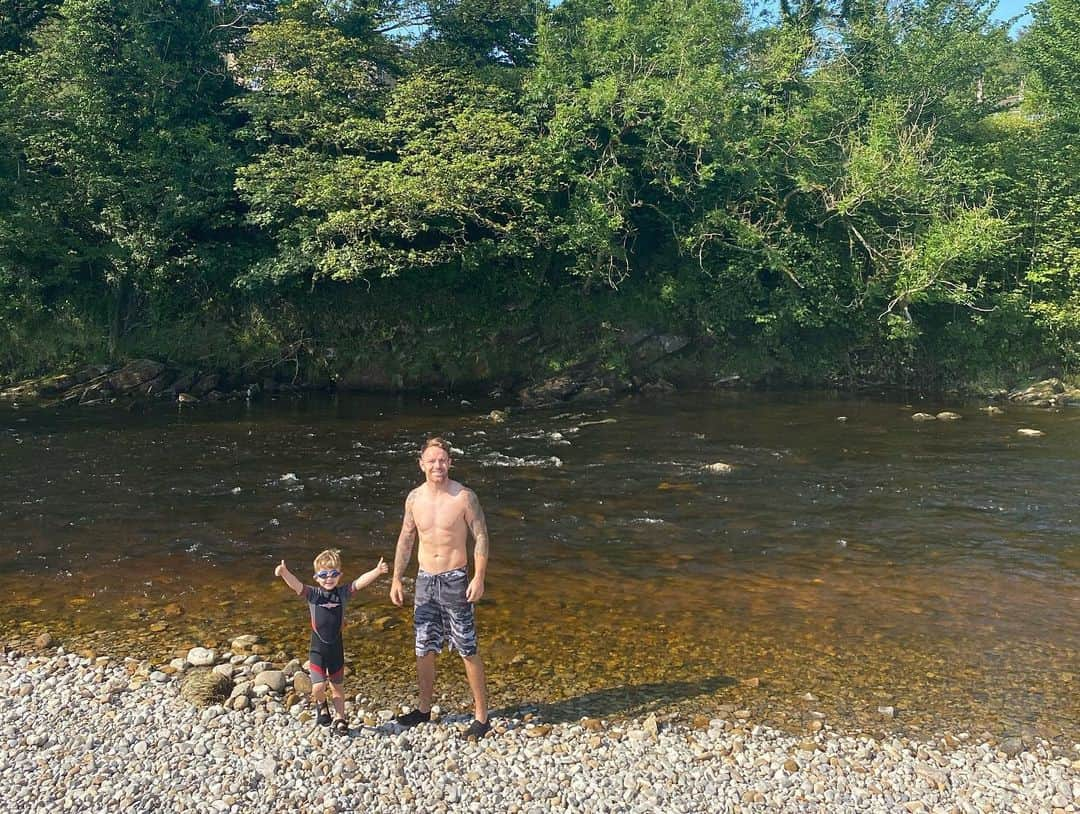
{"x": 850, "y": 192}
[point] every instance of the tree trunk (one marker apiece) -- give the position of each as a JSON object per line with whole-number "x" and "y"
{"x": 118, "y": 317}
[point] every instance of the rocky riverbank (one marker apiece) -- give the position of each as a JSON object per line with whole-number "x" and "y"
{"x": 107, "y": 734}
{"x": 143, "y": 380}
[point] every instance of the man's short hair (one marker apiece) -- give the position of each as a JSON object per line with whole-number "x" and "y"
{"x": 331, "y": 558}
{"x": 436, "y": 441}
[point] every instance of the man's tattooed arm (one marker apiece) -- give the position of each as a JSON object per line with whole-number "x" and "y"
{"x": 406, "y": 539}
{"x": 474, "y": 516}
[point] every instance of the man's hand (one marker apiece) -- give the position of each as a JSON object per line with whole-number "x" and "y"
{"x": 397, "y": 593}
{"x": 475, "y": 590}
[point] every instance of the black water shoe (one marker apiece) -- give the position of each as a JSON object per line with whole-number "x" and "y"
{"x": 477, "y": 730}
{"x": 413, "y": 718}
{"x": 324, "y": 715}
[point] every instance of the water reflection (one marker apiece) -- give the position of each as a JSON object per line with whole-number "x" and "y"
{"x": 872, "y": 561}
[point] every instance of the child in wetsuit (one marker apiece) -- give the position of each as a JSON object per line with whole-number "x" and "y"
{"x": 326, "y": 602}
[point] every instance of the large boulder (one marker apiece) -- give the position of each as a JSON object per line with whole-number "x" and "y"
{"x": 1040, "y": 393}
{"x": 201, "y": 657}
{"x": 274, "y": 679}
{"x": 655, "y": 348}
{"x": 204, "y": 688}
{"x": 206, "y": 384}
{"x": 551, "y": 391}
{"x": 134, "y": 374}
{"x": 370, "y": 376}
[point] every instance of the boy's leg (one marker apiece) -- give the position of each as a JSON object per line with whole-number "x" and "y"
{"x": 338, "y": 695}
{"x": 425, "y": 678}
{"x": 318, "y": 695}
{"x": 474, "y": 671}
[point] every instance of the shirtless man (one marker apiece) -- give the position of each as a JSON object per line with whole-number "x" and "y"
{"x": 444, "y": 513}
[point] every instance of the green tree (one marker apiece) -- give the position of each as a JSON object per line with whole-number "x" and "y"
{"x": 1049, "y": 171}
{"x": 19, "y": 19}
{"x": 124, "y": 156}
{"x": 479, "y": 33}
{"x": 363, "y": 175}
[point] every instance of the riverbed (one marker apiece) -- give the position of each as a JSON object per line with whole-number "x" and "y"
{"x": 846, "y": 563}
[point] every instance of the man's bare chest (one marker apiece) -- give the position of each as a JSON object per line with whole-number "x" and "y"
{"x": 445, "y": 514}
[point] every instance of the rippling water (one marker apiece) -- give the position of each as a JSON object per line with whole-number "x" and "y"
{"x": 867, "y": 562}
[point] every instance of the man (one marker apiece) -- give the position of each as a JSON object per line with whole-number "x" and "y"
{"x": 444, "y": 513}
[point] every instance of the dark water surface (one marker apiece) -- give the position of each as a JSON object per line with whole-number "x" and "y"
{"x": 933, "y": 568}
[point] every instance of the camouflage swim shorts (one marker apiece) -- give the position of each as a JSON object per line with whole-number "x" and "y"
{"x": 441, "y": 609}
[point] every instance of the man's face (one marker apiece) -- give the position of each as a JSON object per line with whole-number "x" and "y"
{"x": 435, "y": 464}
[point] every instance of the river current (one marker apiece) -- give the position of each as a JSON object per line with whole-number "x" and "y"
{"x": 852, "y": 565}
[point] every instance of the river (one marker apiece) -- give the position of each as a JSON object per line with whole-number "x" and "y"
{"x": 851, "y": 561}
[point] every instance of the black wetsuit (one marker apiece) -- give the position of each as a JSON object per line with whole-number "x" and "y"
{"x": 327, "y": 650}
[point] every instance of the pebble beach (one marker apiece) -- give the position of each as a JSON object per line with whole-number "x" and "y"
{"x": 112, "y": 734}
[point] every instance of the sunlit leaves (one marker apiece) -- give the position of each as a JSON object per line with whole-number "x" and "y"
{"x": 446, "y": 176}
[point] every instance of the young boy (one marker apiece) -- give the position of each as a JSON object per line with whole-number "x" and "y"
{"x": 327, "y": 650}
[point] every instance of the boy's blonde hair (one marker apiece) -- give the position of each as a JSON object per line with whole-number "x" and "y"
{"x": 331, "y": 558}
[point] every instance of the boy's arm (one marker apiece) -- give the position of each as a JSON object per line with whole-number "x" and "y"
{"x": 403, "y": 552}
{"x": 474, "y": 517}
{"x": 284, "y": 572}
{"x": 369, "y": 577}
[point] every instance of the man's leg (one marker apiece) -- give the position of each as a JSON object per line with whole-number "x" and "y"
{"x": 425, "y": 678}
{"x": 474, "y": 671}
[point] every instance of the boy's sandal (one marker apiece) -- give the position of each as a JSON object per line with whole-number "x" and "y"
{"x": 341, "y": 726}
{"x": 324, "y": 715}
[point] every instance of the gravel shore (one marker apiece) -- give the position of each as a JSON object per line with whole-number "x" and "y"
{"x": 101, "y": 735}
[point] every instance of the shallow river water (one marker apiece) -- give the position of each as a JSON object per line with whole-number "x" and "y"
{"x": 851, "y": 560}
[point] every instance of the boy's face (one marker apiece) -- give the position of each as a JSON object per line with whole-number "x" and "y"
{"x": 327, "y": 577}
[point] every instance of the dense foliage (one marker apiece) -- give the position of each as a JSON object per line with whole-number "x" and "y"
{"x": 409, "y": 192}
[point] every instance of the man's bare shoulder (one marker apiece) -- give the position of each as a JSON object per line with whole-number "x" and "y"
{"x": 469, "y": 497}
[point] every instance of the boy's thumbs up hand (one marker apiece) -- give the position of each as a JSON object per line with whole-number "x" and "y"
{"x": 280, "y": 568}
